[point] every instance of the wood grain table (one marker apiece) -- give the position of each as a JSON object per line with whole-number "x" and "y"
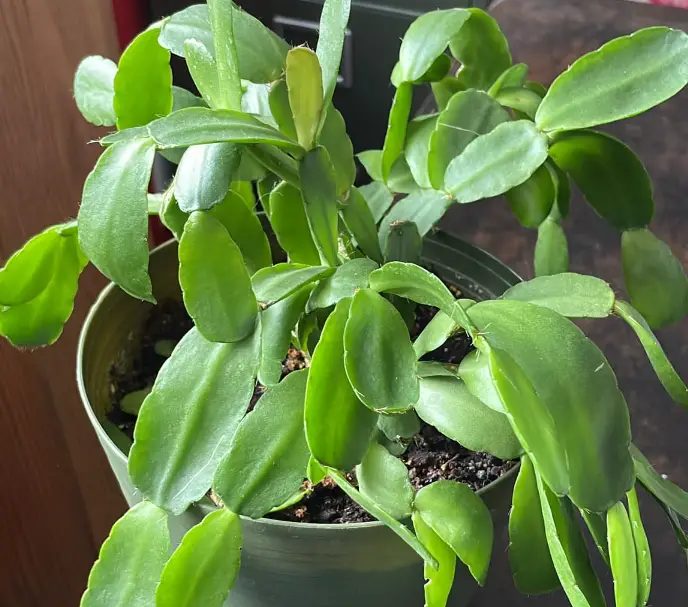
{"x": 58, "y": 497}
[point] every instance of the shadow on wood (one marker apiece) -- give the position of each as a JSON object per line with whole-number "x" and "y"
{"x": 58, "y": 497}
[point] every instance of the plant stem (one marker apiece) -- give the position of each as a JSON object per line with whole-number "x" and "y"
{"x": 372, "y": 508}
{"x": 276, "y": 162}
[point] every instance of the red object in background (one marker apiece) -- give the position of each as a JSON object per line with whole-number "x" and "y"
{"x": 131, "y": 17}
{"x": 676, "y": 3}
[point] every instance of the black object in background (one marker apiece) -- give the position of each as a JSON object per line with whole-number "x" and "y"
{"x": 376, "y": 27}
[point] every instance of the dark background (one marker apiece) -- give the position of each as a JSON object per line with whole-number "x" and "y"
{"x": 549, "y": 35}
{"x": 58, "y": 498}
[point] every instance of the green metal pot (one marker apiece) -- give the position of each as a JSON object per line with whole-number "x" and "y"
{"x": 284, "y": 564}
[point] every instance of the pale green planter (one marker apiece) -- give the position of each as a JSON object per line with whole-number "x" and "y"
{"x": 284, "y": 564}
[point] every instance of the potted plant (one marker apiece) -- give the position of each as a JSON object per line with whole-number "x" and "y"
{"x": 234, "y": 445}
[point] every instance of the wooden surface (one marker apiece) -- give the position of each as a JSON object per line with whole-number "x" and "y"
{"x": 549, "y": 35}
{"x": 58, "y": 497}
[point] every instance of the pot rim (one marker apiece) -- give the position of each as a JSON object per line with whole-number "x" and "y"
{"x": 205, "y": 504}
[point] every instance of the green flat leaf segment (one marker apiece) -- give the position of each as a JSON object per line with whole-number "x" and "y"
{"x": 131, "y": 560}
{"x": 202, "y": 390}
{"x": 572, "y": 295}
{"x": 596, "y": 523}
{"x": 446, "y": 404}
{"x": 394, "y": 427}
{"x": 579, "y": 392}
{"x": 261, "y": 53}
{"x": 304, "y": 84}
{"x": 372, "y": 163}
{"x": 400, "y": 179}
{"x": 529, "y": 557}
{"x": 332, "y": 33}
{"x": 125, "y": 136}
{"x": 568, "y": 550}
{"x": 404, "y": 242}
{"x": 426, "y": 39}
{"x": 181, "y": 99}
{"x": 333, "y": 137}
{"x": 290, "y": 224}
{"x": 277, "y": 282}
{"x": 278, "y": 100}
{"x": 215, "y": 282}
{"x": 530, "y": 418}
{"x": 204, "y": 175}
{"x": 439, "y": 581}
{"x": 413, "y": 282}
{"x": 532, "y": 201}
{"x": 39, "y": 321}
{"x": 496, "y": 162}
{"x": 522, "y": 99}
{"x": 482, "y": 49}
{"x": 256, "y": 100}
{"x": 359, "y": 220}
{"x": 396, "y": 128}
{"x": 444, "y": 90}
{"x": 437, "y": 331}
{"x": 171, "y": 216}
{"x": 203, "y": 69}
{"x": 266, "y": 462}
{"x": 551, "y": 249}
{"x": 419, "y": 285}
{"x": 665, "y": 371}
{"x": 348, "y": 278}
{"x": 113, "y": 217}
{"x": 642, "y": 549}
{"x": 29, "y": 270}
{"x": 513, "y": 77}
{"x": 622, "y": 556}
{"x": 418, "y": 134}
{"x": 197, "y": 125}
{"x": 611, "y": 177}
{"x": 278, "y": 322}
{"x": 221, "y": 13}
{"x": 461, "y": 519}
{"x": 378, "y": 354}
{"x": 378, "y": 197}
{"x": 94, "y": 90}
{"x": 668, "y": 493}
{"x": 319, "y": 191}
{"x": 385, "y": 479}
{"x": 339, "y": 427}
{"x": 474, "y": 370}
{"x": 623, "y": 78}
{"x": 237, "y": 215}
{"x": 203, "y": 568}
{"x": 143, "y": 82}
{"x": 655, "y": 279}
{"x": 468, "y": 115}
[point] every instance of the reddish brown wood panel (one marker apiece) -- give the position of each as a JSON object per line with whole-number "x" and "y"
{"x": 58, "y": 497}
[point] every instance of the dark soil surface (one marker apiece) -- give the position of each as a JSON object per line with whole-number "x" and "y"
{"x": 430, "y": 455}
{"x": 166, "y": 322}
{"x": 453, "y": 351}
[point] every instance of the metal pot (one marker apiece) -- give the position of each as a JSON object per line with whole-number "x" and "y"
{"x": 289, "y": 563}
